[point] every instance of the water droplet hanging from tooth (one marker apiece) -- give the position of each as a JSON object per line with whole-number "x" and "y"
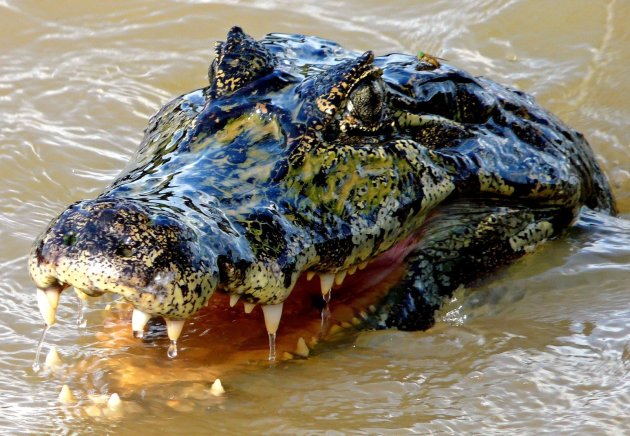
{"x": 81, "y": 321}
{"x": 234, "y": 299}
{"x": 82, "y": 298}
{"x": 272, "y": 314}
{"x": 326, "y": 282}
{"x": 36, "y": 366}
{"x": 174, "y": 329}
{"x": 139, "y": 320}
{"x": 47, "y": 301}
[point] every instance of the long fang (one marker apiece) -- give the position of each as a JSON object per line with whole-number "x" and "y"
{"x": 272, "y": 314}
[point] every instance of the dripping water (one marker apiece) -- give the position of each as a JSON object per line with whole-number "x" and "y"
{"x": 172, "y": 349}
{"x": 36, "y": 366}
{"x": 272, "y": 347}
{"x": 326, "y": 314}
{"x": 81, "y": 320}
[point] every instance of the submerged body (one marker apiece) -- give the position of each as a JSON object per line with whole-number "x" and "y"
{"x": 302, "y": 157}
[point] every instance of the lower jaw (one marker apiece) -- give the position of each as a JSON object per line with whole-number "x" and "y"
{"x": 221, "y": 339}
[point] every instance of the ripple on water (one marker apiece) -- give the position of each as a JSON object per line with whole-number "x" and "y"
{"x": 545, "y": 346}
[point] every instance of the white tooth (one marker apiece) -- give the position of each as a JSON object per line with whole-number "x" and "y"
{"x": 272, "y": 313}
{"x": 82, "y": 295}
{"x": 310, "y": 275}
{"x": 53, "y": 360}
{"x": 217, "y": 388}
{"x": 302, "y": 348}
{"x": 233, "y": 299}
{"x": 352, "y": 269}
{"x": 334, "y": 329}
{"x": 139, "y": 319}
{"x": 114, "y": 403}
{"x": 326, "y": 282}
{"x": 93, "y": 411}
{"x": 174, "y": 328}
{"x": 53, "y": 297}
{"x": 47, "y": 305}
{"x": 362, "y": 265}
{"x": 66, "y": 396}
{"x": 339, "y": 277}
{"x": 287, "y": 356}
{"x": 249, "y": 307}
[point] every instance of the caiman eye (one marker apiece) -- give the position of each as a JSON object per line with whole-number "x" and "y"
{"x": 366, "y": 106}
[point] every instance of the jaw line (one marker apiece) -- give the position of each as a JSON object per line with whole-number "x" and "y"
{"x": 232, "y": 330}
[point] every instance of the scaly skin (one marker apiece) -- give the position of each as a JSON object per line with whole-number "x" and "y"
{"x": 303, "y": 156}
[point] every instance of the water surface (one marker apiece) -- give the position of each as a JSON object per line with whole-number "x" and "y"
{"x": 543, "y": 347}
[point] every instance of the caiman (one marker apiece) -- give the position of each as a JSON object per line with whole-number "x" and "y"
{"x": 393, "y": 179}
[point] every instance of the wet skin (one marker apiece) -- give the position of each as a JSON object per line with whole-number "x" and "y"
{"x": 302, "y": 157}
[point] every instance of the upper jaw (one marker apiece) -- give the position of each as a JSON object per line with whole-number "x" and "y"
{"x": 167, "y": 293}
{"x": 171, "y": 287}
{"x": 164, "y": 298}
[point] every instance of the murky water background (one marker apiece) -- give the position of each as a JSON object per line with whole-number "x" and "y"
{"x": 544, "y": 347}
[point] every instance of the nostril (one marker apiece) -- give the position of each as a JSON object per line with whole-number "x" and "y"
{"x": 124, "y": 251}
{"x": 69, "y": 239}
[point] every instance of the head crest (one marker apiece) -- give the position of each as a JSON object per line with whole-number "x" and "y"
{"x": 238, "y": 61}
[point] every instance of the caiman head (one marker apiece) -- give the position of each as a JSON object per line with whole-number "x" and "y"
{"x": 299, "y": 157}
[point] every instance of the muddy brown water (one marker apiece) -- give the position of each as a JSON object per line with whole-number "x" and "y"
{"x": 545, "y": 346}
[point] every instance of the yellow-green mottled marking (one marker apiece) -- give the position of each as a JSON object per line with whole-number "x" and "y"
{"x": 301, "y": 155}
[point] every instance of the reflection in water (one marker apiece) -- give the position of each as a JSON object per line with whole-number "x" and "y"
{"x": 544, "y": 345}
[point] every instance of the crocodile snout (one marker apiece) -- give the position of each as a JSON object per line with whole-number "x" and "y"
{"x": 122, "y": 247}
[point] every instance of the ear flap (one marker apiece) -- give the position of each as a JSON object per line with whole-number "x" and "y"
{"x": 238, "y": 61}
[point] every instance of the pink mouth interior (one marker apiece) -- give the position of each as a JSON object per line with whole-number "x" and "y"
{"x": 221, "y": 339}
{"x": 350, "y": 302}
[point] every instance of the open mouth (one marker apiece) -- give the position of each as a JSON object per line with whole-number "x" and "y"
{"x": 319, "y": 304}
